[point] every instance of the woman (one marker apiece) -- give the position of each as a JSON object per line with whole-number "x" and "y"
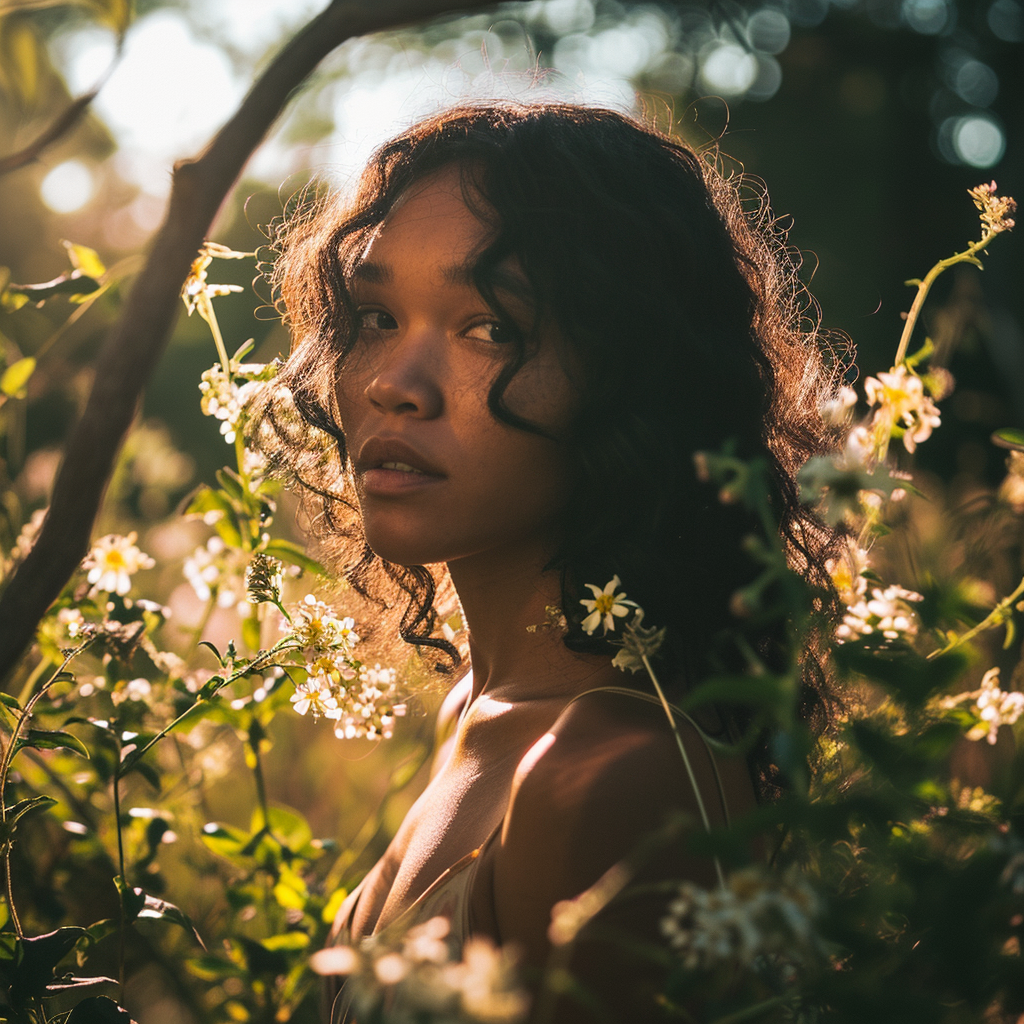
{"x": 519, "y": 332}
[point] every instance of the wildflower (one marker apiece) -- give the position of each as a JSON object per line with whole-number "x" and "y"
{"x": 417, "y": 978}
{"x": 638, "y": 642}
{"x": 847, "y": 572}
{"x": 884, "y": 612}
{"x": 756, "y": 914}
{"x": 836, "y": 410}
{"x": 606, "y": 606}
{"x": 225, "y": 400}
{"x": 368, "y": 709}
{"x": 315, "y": 695}
{"x": 995, "y": 707}
{"x": 317, "y": 629}
{"x": 903, "y": 405}
{"x": 217, "y": 570}
{"x": 197, "y": 291}
{"x": 113, "y": 561}
{"x": 994, "y": 209}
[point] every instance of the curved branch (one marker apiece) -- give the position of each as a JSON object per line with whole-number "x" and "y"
{"x": 137, "y": 340}
{"x": 57, "y": 129}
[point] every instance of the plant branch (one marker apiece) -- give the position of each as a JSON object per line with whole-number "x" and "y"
{"x": 136, "y": 342}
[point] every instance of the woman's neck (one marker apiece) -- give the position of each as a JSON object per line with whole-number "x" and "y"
{"x": 514, "y": 648}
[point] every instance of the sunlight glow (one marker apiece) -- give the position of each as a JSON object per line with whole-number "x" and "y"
{"x": 68, "y": 187}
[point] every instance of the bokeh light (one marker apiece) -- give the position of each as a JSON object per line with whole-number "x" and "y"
{"x": 1006, "y": 20}
{"x": 68, "y": 187}
{"x": 929, "y": 17}
{"x": 974, "y": 139}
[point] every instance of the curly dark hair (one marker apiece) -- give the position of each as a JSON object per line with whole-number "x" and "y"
{"x": 689, "y": 323}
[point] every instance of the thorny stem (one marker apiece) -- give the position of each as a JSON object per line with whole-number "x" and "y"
{"x": 686, "y": 761}
{"x": 994, "y": 618}
{"x": 924, "y": 286}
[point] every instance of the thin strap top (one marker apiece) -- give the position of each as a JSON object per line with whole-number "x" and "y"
{"x": 449, "y": 894}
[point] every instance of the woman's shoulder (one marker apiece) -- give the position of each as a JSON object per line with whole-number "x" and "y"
{"x": 606, "y": 779}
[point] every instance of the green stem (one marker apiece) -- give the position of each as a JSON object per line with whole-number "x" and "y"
{"x": 123, "y": 887}
{"x": 924, "y": 286}
{"x": 686, "y": 761}
{"x": 261, "y": 785}
{"x": 256, "y": 665}
{"x": 994, "y": 618}
{"x": 205, "y": 305}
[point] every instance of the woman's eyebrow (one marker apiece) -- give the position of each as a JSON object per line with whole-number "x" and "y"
{"x": 505, "y": 279}
{"x": 372, "y": 273}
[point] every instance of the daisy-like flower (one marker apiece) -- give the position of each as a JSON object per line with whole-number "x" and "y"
{"x": 995, "y": 210}
{"x": 902, "y": 403}
{"x": 216, "y": 568}
{"x": 113, "y": 561}
{"x": 317, "y": 629}
{"x": 605, "y": 607}
{"x": 315, "y": 695}
{"x": 225, "y": 400}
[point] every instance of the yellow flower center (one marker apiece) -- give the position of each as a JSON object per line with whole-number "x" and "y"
{"x": 115, "y": 559}
{"x": 604, "y": 603}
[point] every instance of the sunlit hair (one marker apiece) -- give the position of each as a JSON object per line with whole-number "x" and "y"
{"x": 682, "y": 311}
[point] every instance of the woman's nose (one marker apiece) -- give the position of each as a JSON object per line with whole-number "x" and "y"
{"x": 408, "y": 379}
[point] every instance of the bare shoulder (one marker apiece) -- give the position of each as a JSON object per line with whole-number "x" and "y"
{"x": 448, "y": 715}
{"x": 606, "y": 777}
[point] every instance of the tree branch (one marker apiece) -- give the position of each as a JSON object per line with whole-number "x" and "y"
{"x": 137, "y": 340}
{"x": 58, "y": 128}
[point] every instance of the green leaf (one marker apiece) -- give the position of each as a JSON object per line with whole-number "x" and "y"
{"x": 232, "y": 484}
{"x": 1009, "y": 437}
{"x": 99, "y": 1010}
{"x": 53, "y": 739}
{"x": 212, "y": 968}
{"x": 15, "y": 378}
{"x": 287, "y": 551}
{"x": 225, "y": 840}
{"x": 251, "y": 632}
{"x": 9, "y": 700}
{"x": 243, "y": 350}
{"x": 18, "y": 811}
{"x": 161, "y": 910}
{"x": 84, "y": 259}
{"x": 286, "y": 941}
{"x": 261, "y": 960}
{"x": 287, "y": 825}
{"x": 29, "y": 973}
{"x": 767, "y": 691}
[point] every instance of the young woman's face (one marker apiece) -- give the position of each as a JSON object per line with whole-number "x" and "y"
{"x": 438, "y": 478}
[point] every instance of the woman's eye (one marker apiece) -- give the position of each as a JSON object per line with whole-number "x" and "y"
{"x": 376, "y": 320}
{"x": 493, "y": 331}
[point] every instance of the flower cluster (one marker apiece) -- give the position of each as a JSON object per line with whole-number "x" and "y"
{"x": 224, "y": 399}
{"x": 418, "y": 980}
{"x": 756, "y": 914}
{"x": 197, "y": 290}
{"x": 112, "y": 562}
{"x": 362, "y": 701}
{"x": 847, "y": 572}
{"x": 992, "y": 705}
{"x": 217, "y": 570}
{"x": 883, "y": 612}
{"x": 903, "y": 406}
{"x": 995, "y": 210}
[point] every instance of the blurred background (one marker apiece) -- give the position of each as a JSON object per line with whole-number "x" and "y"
{"x": 867, "y": 119}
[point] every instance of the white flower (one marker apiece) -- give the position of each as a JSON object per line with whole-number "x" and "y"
{"x": 756, "y": 914}
{"x": 882, "y": 612}
{"x": 315, "y": 695}
{"x": 316, "y": 628}
{"x": 836, "y": 410}
{"x": 903, "y": 404}
{"x": 606, "y": 606}
{"x": 113, "y": 561}
{"x": 368, "y": 709}
{"x": 138, "y": 689}
{"x": 995, "y": 707}
{"x": 217, "y": 569}
{"x": 847, "y": 572}
{"x": 416, "y": 978}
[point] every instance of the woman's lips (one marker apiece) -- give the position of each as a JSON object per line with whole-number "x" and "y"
{"x": 395, "y": 478}
{"x": 390, "y": 466}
